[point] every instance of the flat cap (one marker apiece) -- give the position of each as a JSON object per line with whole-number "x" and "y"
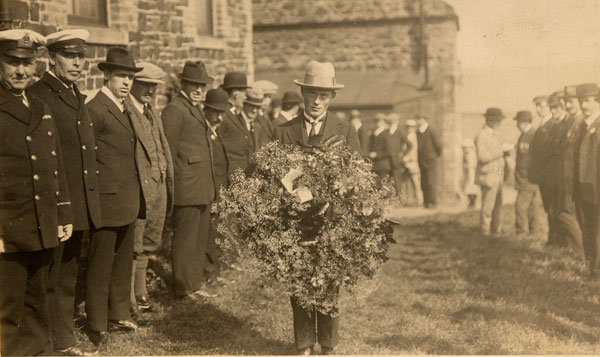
{"x": 524, "y": 115}
{"x": 20, "y": 43}
{"x": 267, "y": 87}
{"x": 494, "y": 114}
{"x": 540, "y": 99}
{"x": 587, "y": 90}
{"x": 150, "y": 73}
{"x": 380, "y": 116}
{"x": 255, "y": 97}
{"x": 70, "y": 41}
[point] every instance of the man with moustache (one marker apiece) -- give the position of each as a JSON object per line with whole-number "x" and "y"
{"x": 312, "y": 127}
{"x": 586, "y": 176}
{"x": 35, "y": 211}
{"x": 541, "y": 165}
{"x": 568, "y": 231}
{"x": 58, "y": 89}
{"x": 189, "y": 140}
{"x": 155, "y": 168}
{"x": 110, "y": 256}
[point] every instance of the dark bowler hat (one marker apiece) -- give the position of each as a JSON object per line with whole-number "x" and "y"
{"x": 570, "y": 92}
{"x": 554, "y": 101}
{"x": 587, "y": 90}
{"x": 524, "y": 115}
{"x": 216, "y": 99}
{"x": 255, "y": 97}
{"x": 291, "y": 97}
{"x": 494, "y": 114}
{"x": 20, "y": 43}
{"x": 119, "y": 58}
{"x": 195, "y": 72}
{"x": 235, "y": 80}
{"x": 539, "y": 99}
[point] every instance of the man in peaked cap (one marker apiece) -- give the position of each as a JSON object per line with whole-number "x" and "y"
{"x": 541, "y": 164}
{"x": 155, "y": 169}
{"x": 529, "y": 211}
{"x": 314, "y": 125}
{"x": 489, "y": 174}
{"x": 290, "y": 107}
{"x": 189, "y": 139}
{"x": 568, "y": 233}
{"x": 110, "y": 256}
{"x": 58, "y": 89}
{"x": 36, "y": 211}
{"x": 586, "y": 162}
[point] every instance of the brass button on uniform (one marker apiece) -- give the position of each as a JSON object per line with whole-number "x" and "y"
{"x": 53, "y": 153}
{"x": 78, "y": 122}
{"x": 145, "y": 181}
{"x": 85, "y": 172}
{"x": 131, "y": 140}
{"x": 97, "y": 172}
{"x": 37, "y": 197}
{"x": 28, "y": 138}
{"x": 33, "y": 157}
{"x": 57, "y": 193}
{"x": 36, "y": 177}
{"x": 83, "y": 147}
{"x": 49, "y": 133}
{"x": 91, "y": 124}
{"x": 95, "y": 148}
{"x": 55, "y": 173}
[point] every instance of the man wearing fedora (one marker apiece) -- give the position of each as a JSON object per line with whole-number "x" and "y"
{"x": 188, "y": 135}
{"x": 489, "y": 174}
{"x": 585, "y": 172}
{"x": 541, "y": 163}
{"x": 155, "y": 169}
{"x": 110, "y": 256}
{"x": 290, "y": 107}
{"x": 35, "y": 210}
{"x": 58, "y": 89}
{"x": 215, "y": 106}
{"x": 314, "y": 125}
{"x": 429, "y": 151}
{"x": 246, "y": 132}
{"x": 529, "y": 211}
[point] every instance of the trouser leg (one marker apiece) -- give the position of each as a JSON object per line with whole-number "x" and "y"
{"x": 328, "y": 330}
{"x": 488, "y": 199}
{"x": 496, "y": 223}
{"x": 548, "y": 200}
{"x": 304, "y": 325}
{"x": 522, "y": 204}
{"x": 119, "y": 305}
{"x": 536, "y": 212}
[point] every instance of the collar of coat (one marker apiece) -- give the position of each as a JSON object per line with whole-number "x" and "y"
{"x": 64, "y": 92}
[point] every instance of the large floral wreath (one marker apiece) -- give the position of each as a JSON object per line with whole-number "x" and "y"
{"x": 312, "y": 218}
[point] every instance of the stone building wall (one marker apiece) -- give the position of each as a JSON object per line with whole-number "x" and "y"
{"x": 158, "y": 31}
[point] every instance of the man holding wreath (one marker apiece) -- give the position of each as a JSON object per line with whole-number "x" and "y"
{"x": 311, "y": 127}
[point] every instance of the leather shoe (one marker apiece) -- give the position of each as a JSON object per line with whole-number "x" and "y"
{"x": 122, "y": 325}
{"x": 306, "y": 351}
{"x": 98, "y": 338}
{"x": 69, "y": 351}
{"x": 143, "y": 303}
{"x": 327, "y": 350}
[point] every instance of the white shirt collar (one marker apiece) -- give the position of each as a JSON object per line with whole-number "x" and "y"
{"x": 286, "y": 115}
{"x": 247, "y": 120}
{"x": 529, "y": 126}
{"x": 60, "y": 80}
{"x": 357, "y": 126}
{"x": 379, "y": 130}
{"x": 139, "y": 106}
{"x": 313, "y": 119}
{"x": 592, "y": 118}
{"x": 423, "y": 127}
{"x": 393, "y": 128}
{"x": 117, "y": 101}
{"x": 186, "y": 97}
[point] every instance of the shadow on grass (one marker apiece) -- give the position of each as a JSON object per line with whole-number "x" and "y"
{"x": 200, "y": 328}
{"x": 511, "y": 272}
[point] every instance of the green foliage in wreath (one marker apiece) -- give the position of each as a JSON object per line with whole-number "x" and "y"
{"x": 311, "y": 218}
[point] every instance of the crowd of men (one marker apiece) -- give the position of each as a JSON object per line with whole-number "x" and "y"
{"x": 112, "y": 169}
{"x": 556, "y": 171}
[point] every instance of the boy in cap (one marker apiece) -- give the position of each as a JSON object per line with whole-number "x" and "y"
{"x": 36, "y": 211}
{"x": 311, "y": 127}
{"x": 155, "y": 169}
{"x": 195, "y": 190}
{"x": 58, "y": 89}
{"x": 489, "y": 174}
{"x": 110, "y": 256}
{"x": 529, "y": 211}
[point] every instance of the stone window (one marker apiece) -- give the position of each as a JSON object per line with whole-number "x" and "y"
{"x": 88, "y": 12}
{"x": 204, "y": 23}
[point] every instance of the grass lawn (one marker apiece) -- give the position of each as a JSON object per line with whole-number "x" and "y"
{"x": 445, "y": 290}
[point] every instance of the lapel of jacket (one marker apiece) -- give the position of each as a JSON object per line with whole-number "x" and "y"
{"x": 121, "y": 117}
{"x": 136, "y": 118}
{"x": 238, "y": 120}
{"x": 297, "y": 131}
{"x": 331, "y": 126}
{"x": 194, "y": 110}
{"x": 65, "y": 94}
{"x": 13, "y": 106}
{"x": 37, "y": 112}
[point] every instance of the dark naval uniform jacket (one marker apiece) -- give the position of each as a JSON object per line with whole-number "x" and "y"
{"x": 34, "y": 198}
{"x": 239, "y": 141}
{"x": 189, "y": 139}
{"x": 78, "y": 147}
{"x": 115, "y": 158}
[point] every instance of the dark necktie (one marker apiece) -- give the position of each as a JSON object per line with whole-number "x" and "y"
{"x": 148, "y": 113}
{"x": 313, "y": 126}
{"x": 252, "y": 126}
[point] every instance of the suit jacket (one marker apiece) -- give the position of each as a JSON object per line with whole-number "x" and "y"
{"x": 78, "y": 146}
{"x": 397, "y": 146}
{"x": 564, "y": 148}
{"x": 239, "y": 142}
{"x": 34, "y": 197}
{"x": 490, "y": 158}
{"x": 294, "y": 131}
{"x": 120, "y": 198}
{"x": 220, "y": 162}
{"x": 429, "y": 148}
{"x": 522, "y": 182}
{"x": 189, "y": 139}
{"x": 589, "y": 164}
{"x": 363, "y": 138}
{"x": 142, "y": 155}
{"x": 380, "y": 145}
{"x": 541, "y": 165}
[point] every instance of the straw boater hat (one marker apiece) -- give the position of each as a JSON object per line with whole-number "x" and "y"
{"x": 267, "y": 87}
{"x": 319, "y": 75}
